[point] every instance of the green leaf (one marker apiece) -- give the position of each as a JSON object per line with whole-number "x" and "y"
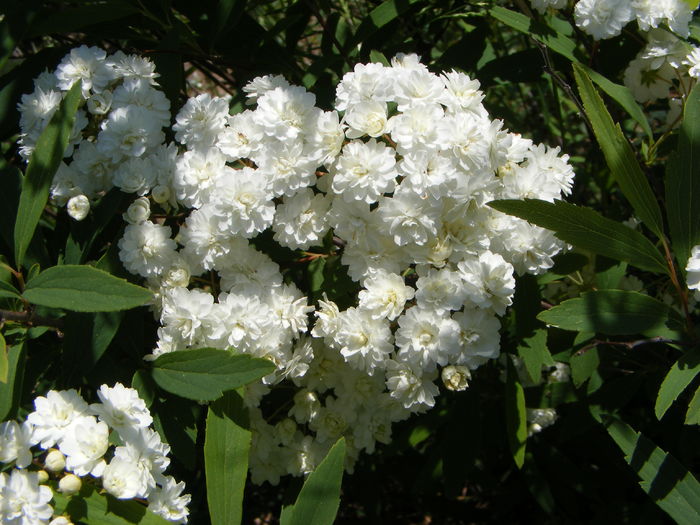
{"x": 683, "y": 183}
{"x": 89, "y": 506}
{"x": 226, "y": 449}
{"x": 567, "y": 48}
{"x": 619, "y": 155}
{"x": 612, "y": 312}
{"x": 9, "y": 291}
{"x": 534, "y": 353}
{"x": 380, "y": 16}
{"x": 4, "y": 362}
{"x": 692, "y": 416}
{"x": 86, "y": 338}
{"x": 43, "y": 164}
{"x": 516, "y": 414}
{"x": 319, "y": 498}
{"x": 676, "y": 381}
{"x": 176, "y": 419}
{"x": 206, "y": 373}
{"x": 143, "y": 383}
{"x": 84, "y": 289}
{"x": 583, "y": 365}
{"x": 10, "y": 390}
{"x": 668, "y": 482}
{"x": 587, "y": 229}
{"x": 226, "y": 15}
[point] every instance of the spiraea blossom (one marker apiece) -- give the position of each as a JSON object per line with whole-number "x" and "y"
{"x": 353, "y": 248}
{"x": 81, "y": 434}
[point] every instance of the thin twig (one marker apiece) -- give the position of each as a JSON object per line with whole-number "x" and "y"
{"x": 30, "y": 318}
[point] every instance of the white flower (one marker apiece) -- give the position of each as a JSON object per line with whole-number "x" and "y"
{"x": 455, "y": 378}
{"x": 138, "y": 211}
{"x": 123, "y": 479}
{"x": 86, "y": 64}
{"x": 121, "y": 408}
{"x": 84, "y": 446}
{"x": 409, "y": 384}
{"x": 169, "y": 502}
{"x": 15, "y": 443}
{"x": 200, "y": 121}
{"x": 78, "y": 207}
{"x": 364, "y": 342}
{"x": 426, "y": 338}
{"x": 410, "y": 217}
{"x": 364, "y": 171}
{"x": 282, "y": 112}
{"x": 129, "y": 131}
{"x": 54, "y": 414}
{"x": 367, "y": 118}
{"x": 603, "y": 18}
{"x": 385, "y": 295}
{"x": 300, "y": 221}
{"x": 693, "y": 269}
{"x": 146, "y": 249}
{"x": 22, "y": 500}
{"x": 70, "y": 484}
{"x": 488, "y": 281}
{"x": 479, "y": 337}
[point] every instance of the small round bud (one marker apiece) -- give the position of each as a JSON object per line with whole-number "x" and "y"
{"x": 61, "y": 520}
{"x": 70, "y": 484}
{"x": 456, "y": 378}
{"x": 139, "y": 211}
{"x": 178, "y": 275}
{"x": 55, "y": 461}
{"x": 161, "y": 194}
{"x": 78, "y": 207}
{"x": 42, "y": 476}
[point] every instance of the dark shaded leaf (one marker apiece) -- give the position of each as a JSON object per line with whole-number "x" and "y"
{"x": 677, "y": 380}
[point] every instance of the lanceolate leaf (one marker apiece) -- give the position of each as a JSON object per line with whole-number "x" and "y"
{"x": 10, "y": 391}
{"x": 226, "y": 449}
{"x": 319, "y": 498}
{"x": 205, "y": 374}
{"x": 43, "y": 164}
{"x": 89, "y": 506}
{"x": 585, "y": 228}
{"x": 619, "y": 156}
{"x": 676, "y": 381}
{"x": 683, "y": 183}
{"x": 566, "y": 47}
{"x": 4, "y": 365}
{"x": 9, "y": 291}
{"x": 516, "y": 415}
{"x": 84, "y": 289}
{"x": 667, "y": 481}
{"x": 612, "y": 312}
{"x": 692, "y": 416}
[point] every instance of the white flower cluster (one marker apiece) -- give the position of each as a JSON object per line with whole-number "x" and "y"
{"x": 398, "y": 176}
{"x": 693, "y": 271}
{"x": 77, "y": 439}
{"x": 117, "y": 138}
{"x": 605, "y": 18}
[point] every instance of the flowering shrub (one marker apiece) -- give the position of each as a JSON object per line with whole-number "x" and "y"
{"x": 347, "y": 263}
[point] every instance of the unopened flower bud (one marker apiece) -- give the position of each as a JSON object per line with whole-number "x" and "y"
{"x": 61, "y": 520}
{"x": 178, "y": 275}
{"x": 55, "y": 461}
{"x": 42, "y": 476}
{"x": 70, "y": 484}
{"x": 138, "y": 211}
{"x": 78, "y": 207}
{"x": 160, "y": 194}
{"x": 456, "y": 378}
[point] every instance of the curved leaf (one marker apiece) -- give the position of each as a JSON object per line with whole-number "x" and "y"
{"x": 319, "y": 498}
{"x": 667, "y": 481}
{"x": 587, "y": 229}
{"x": 683, "y": 183}
{"x": 84, "y": 289}
{"x": 205, "y": 374}
{"x": 676, "y": 381}
{"x": 226, "y": 449}
{"x": 619, "y": 155}
{"x": 516, "y": 415}
{"x": 43, "y": 164}
{"x": 612, "y": 312}
{"x": 9, "y": 291}
{"x": 11, "y": 390}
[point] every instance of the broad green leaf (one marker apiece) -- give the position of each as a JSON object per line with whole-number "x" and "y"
{"x": 380, "y": 16}
{"x": 175, "y": 419}
{"x": 91, "y": 507}
{"x": 692, "y": 416}
{"x": 84, "y": 289}
{"x": 683, "y": 183}
{"x": 205, "y": 374}
{"x": 619, "y": 155}
{"x": 226, "y": 449}
{"x": 583, "y": 365}
{"x": 587, "y": 229}
{"x": 668, "y": 482}
{"x": 4, "y": 363}
{"x": 677, "y": 379}
{"x": 10, "y": 390}
{"x": 612, "y": 312}
{"x": 9, "y": 291}
{"x": 43, "y": 164}
{"x": 567, "y": 48}
{"x": 516, "y": 414}
{"x": 534, "y": 353}
{"x": 319, "y": 498}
